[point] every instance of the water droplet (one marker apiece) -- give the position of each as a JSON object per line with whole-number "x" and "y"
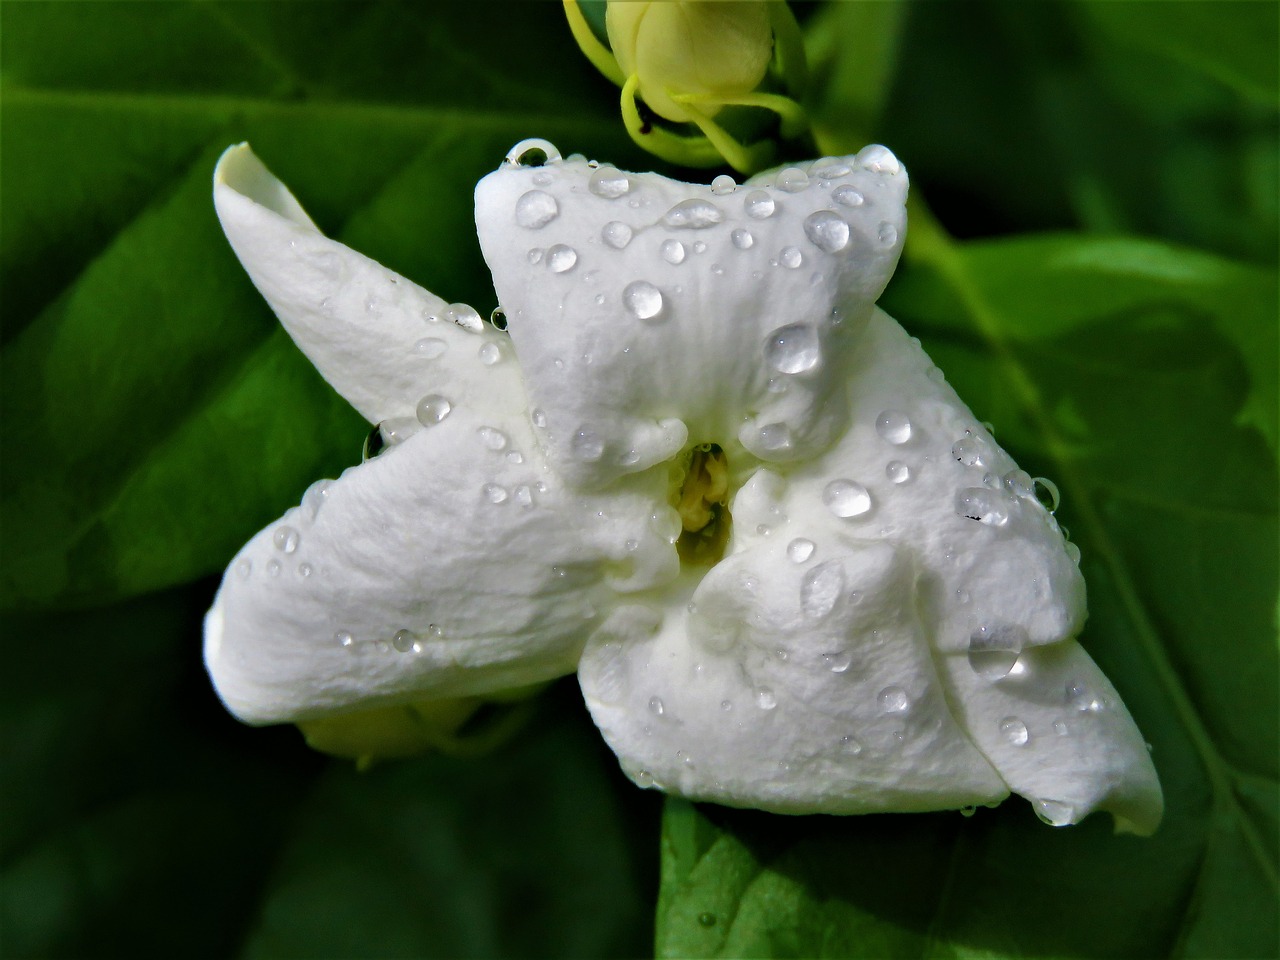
{"x": 847, "y": 196}
{"x": 286, "y": 538}
{"x": 344, "y": 638}
{"x": 404, "y": 641}
{"x": 726, "y": 705}
{"x": 432, "y": 409}
{"x": 673, "y": 251}
{"x": 523, "y": 496}
{"x": 538, "y": 417}
{"x": 305, "y": 570}
{"x": 970, "y": 450}
{"x": 887, "y": 234}
{"x": 465, "y": 316}
{"x": 536, "y": 209}
{"x": 983, "y": 505}
{"x": 893, "y": 426}
{"x": 793, "y": 180}
{"x": 765, "y": 698}
{"x": 742, "y": 239}
{"x": 791, "y": 258}
{"x": 498, "y": 318}
{"x": 244, "y": 568}
{"x": 723, "y": 184}
{"x": 994, "y": 649}
{"x": 429, "y": 348}
{"x": 1073, "y": 552}
{"x": 759, "y": 205}
{"x": 1056, "y": 813}
{"x": 316, "y": 496}
{"x": 699, "y": 247}
{"x": 616, "y": 234}
{"x": 1015, "y": 731}
{"x": 693, "y": 214}
{"x": 897, "y": 471}
{"x": 273, "y": 568}
{"x": 644, "y": 778}
{"x": 561, "y": 258}
{"x": 846, "y": 498}
{"x": 827, "y": 231}
{"x": 821, "y": 588}
{"x": 893, "y": 700}
{"x": 492, "y": 439}
{"x": 656, "y": 707}
{"x": 775, "y": 437}
{"x": 533, "y": 152}
{"x": 494, "y": 493}
{"x": 800, "y": 550}
{"x": 707, "y": 919}
{"x": 1046, "y": 492}
{"x": 435, "y": 630}
{"x": 879, "y": 159}
{"x": 489, "y": 354}
{"x": 587, "y": 445}
{"x": 838, "y": 662}
{"x": 830, "y": 169}
{"x": 1060, "y": 728}
{"x": 644, "y": 300}
{"x": 793, "y": 348}
{"x": 851, "y": 744}
{"x": 608, "y": 183}
{"x": 1081, "y": 699}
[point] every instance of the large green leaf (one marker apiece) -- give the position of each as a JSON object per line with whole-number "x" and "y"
{"x": 1119, "y": 368}
{"x": 152, "y": 407}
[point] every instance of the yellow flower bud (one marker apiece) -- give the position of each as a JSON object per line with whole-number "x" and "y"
{"x": 712, "y": 51}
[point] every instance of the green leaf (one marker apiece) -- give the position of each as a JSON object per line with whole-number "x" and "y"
{"x": 1120, "y": 369}
{"x": 151, "y": 403}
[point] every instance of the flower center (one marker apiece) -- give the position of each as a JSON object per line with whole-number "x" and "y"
{"x": 701, "y": 499}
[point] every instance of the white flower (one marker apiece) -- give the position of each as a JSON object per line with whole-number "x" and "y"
{"x": 852, "y": 602}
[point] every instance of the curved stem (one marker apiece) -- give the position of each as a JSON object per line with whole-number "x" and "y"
{"x": 600, "y": 56}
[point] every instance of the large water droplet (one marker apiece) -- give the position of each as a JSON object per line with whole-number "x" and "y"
{"x": 432, "y": 409}
{"x": 759, "y": 205}
{"x": 1015, "y": 731}
{"x": 561, "y": 258}
{"x": 693, "y": 214}
{"x": 897, "y": 471}
{"x": 404, "y": 641}
{"x": 1056, "y": 813}
{"x": 970, "y": 450}
{"x": 838, "y": 662}
{"x": 673, "y": 251}
{"x": 656, "y": 707}
{"x": 846, "y": 498}
{"x": 616, "y": 234}
{"x": 765, "y": 698}
{"x": 1081, "y": 699}
{"x": 465, "y": 316}
{"x": 887, "y": 234}
{"x": 793, "y": 180}
{"x": 827, "y": 231}
{"x": 397, "y": 430}
{"x": 800, "y": 550}
{"x": 430, "y": 348}
{"x": 587, "y": 445}
{"x": 317, "y": 496}
{"x": 821, "y": 588}
{"x": 494, "y": 493}
{"x": 533, "y": 152}
{"x": 489, "y": 353}
{"x": 523, "y": 495}
{"x": 723, "y": 184}
{"x": 791, "y": 258}
{"x": 893, "y": 700}
{"x": 286, "y": 538}
{"x": 793, "y": 348}
{"x": 893, "y": 426}
{"x": 608, "y": 183}
{"x": 1019, "y": 483}
{"x": 847, "y": 196}
{"x": 492, "y": 439}
{"x": 536, "y": 209}
{"x": 994, "y": 649}
{"x": 644, "y": 300}
{"x": 775, "y": 437}
{"x": 742, "y": 239}
{"x": 1046, "y": 492}
{"x": 983, "y": 505}
{"x": 879, "y": 159}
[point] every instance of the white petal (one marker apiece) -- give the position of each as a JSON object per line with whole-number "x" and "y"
{"x": 649, "y": 314}
{"x": 795, "y": 688}
{"x": 461, "y": 537}
{"x": 1060, "y": 736}
{"x": 379, "y": 339}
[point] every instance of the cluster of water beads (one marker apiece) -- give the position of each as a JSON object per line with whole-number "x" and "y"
{"x": 401, "y": 641}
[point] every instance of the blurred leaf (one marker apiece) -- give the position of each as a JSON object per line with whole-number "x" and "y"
{"x": 1124, "y": 370}
{"x": 151, "y": 402}
{"x": 852, "y": 50}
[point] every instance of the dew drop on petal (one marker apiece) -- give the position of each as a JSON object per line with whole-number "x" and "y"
{"x": 832, "y": 170}
{"x": 538, "y": 417}
{"x": 1020, "y": 484}
{"x": 656, "y": 707}
{"x": 793, "y": 348}
{"x": 673, "y": 251}
{"x": 404, "y": 641}
{"x": 970, "y": 450}
{"x": 465, "y": 316}
{"x": 244, "y": 568}
{"x": 775, "y": 437}
{"x": 985, "y": 506}
{"x": 800, "y": 550}
{"x": 1046, "y": 491}
{"x": 742, "y": 239}
{"x": 791, "y": 258}
{"x": 616, "y": 234}
{"x": 643, "y": 299}
{"x": 609, "y": 183}
{"x": 536, "y": 209}
{"x": 535, "y": 254}
{"x": 286, "y": 539}
{"x": 821, "y": 588}
{"x": 492, "y": 439}
{"x": 489, "y": 354}
{"x": 897, "y": 471}
{"x": 430, "y": 348}
{"x": 893, "y": 700}
{"x": 839, "y": 661}
{"x": 494, "y": 493}
{"x": 587, "y": 445}
{"x": 793, "y": 180}
{"x": 432, "y": 409}
{"x": 693, "y": 214}
{"x": 893, "y": 426}
{"x": 344, "y": 638}
{"x": 759, "y": 205}
{"x": 847, "y": 196}
{"x": 316, "y": 496}
{"x": 827, "y": 231}
{"x": 765, "y": 698}
{"x": 1015, "y": 731}
{"x": 561, "y": 258}
{"x": 523, "y": 496}
{"x": 1056, "y": 813}
{"x": 879, "y": 159}
{"x": 994, "y": 649}
{"x": 1073, "y": 552}
{"x": 887, "y": 234}
{"x": 846, "y": 498}
{"x": 273, "y": 568}
{"x": 723, "y": 184}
